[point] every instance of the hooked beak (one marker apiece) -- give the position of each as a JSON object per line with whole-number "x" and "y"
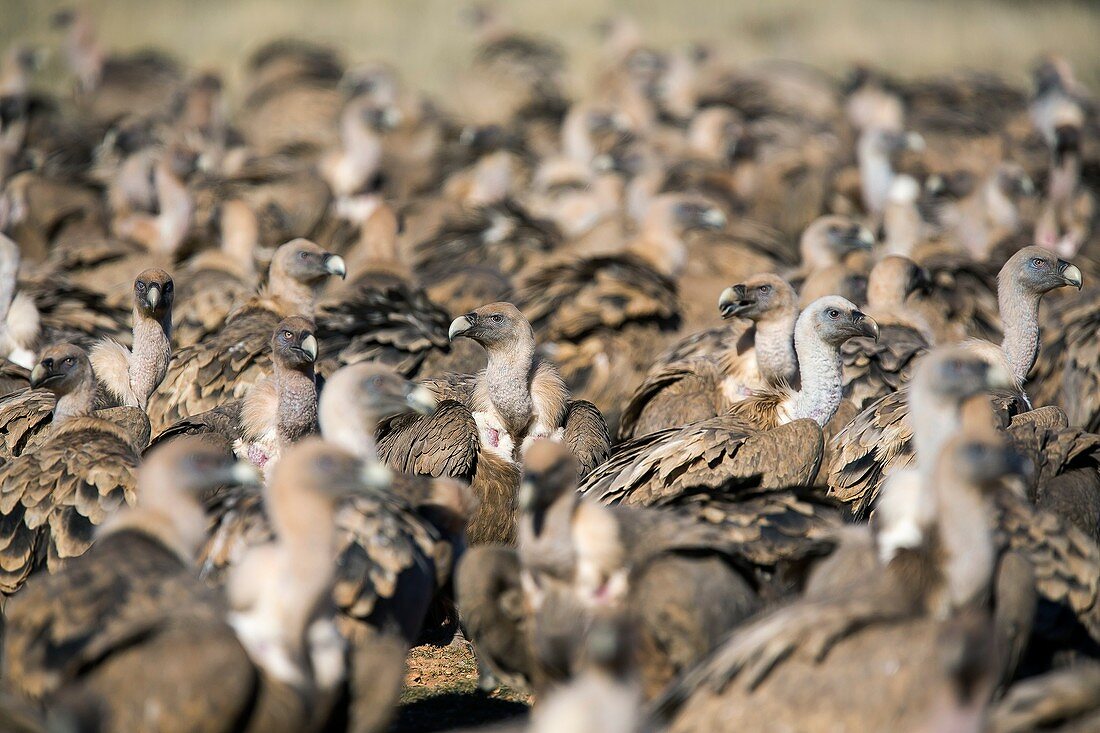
{"x": 459, "y": 327}
{"x": 421, "y": 400}
{"x": 239, "y": 473}
{"x": 309, "y": 346}
{"x": 713, "y": 219}
{"x": 335, "y": 265}
{"x": 732, "y": 301}
{"x": 376, "y": 476}
{"x": 1071, "y": 274}
{"x": 152, "y": 296}
{"x": 39, "y": 375}
{"x": 867, "y": 325}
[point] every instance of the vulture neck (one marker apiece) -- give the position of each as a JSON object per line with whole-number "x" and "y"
{"x": 965, "y": 539}
{"x": 1020, "y": 315}
{"x": 508, "y": 377}
{"x": 935, "y": 421}
{"x": 173, "y": 520}
{"x": 774, "y": 345}
{"x": 175, "y": 207}
{"x": 820, "y": 368}
{"x": 78, "y": 403}
{"x": 151, "y": 353}
{"x": 306, "y": 548}
{"x": 297, "y": 412}
{"x": 875, "y": 172}
{"x": 295, "y": 298}
{"x": 354, "y": 433}
{"x": 9, "y": 272}
{"x": 659, "y": 243}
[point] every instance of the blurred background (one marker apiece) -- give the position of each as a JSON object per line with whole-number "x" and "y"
{"x": 426, "y": 39}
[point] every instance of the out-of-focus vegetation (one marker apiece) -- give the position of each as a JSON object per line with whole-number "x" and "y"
{"x": 426, "y": 39}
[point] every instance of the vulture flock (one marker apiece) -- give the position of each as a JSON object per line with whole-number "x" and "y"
{"x": 717, "y": 398}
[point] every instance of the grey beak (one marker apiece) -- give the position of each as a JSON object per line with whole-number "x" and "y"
{"x": 335, "y": 265}
{"x": 458, "y": 327}
{"x": 713, "y": 219}
{"x": 38, "y": 374}
{"x": 867, "y": 325}
{"x": 376, "y": 476}
{"x": 152, "y": 296}
{"x": 309, "y": 345}
{"x": 1070, "y": 273}
{"x": 731, "y": 302}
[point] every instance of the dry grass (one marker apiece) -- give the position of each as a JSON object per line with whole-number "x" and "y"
{"x": 425, "y": 38}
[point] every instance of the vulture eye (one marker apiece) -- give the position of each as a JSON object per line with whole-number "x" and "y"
{"x": 69, "y": 361}
{"x": 376, "y": 382}
{"x": 303, "y": 255}
{"x": 287, "y": 335}
{"x": 139, "y": 285}
{"x": 1037, "y": 262}
{"x": 833, "y": 313}
{"x": 765, "y": 289}
{"x": 497, "y": 318}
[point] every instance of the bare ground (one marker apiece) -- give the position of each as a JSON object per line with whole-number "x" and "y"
{"x": 441, "y": 693}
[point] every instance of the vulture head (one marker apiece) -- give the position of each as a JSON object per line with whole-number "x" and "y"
{"x": 835, "y": 320}
{"x": 494, "y": 326}
{"x": 953, "y": 374}
{"x": 293, "y": 344}
{"x": 1037, "y": 270}
{"x": 62, "y": 369}
{"x": 154, "y": 293}
{"x": 981, "y": 458}
{"x": 894, "y": 279}
{"x": 192, "y": 464}
{"x": 828, "y": 240}
{"x": 691, "y": 214}
{"x": 357, "y": 396}
{"x": 304, "y": 262}
{"x": 757, "y": 297}
{"x": 313, "y": 469}
{"x": 549, "y": 470}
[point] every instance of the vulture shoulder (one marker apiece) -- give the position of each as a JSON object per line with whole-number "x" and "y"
{"x": 572, "y": 299}
{"x": 24, "y": 421}
{"x": 72, "y": 313}
{"x": 871, "y": 447}
{"x": 390, "y": 322}
{"x": 718, "y": 455}
{"x": 13, "y": 378}
{"x": 130, "y": 589}
{"x": 674, "y": 394}
{"x": 874, "y": 369}
{"x": 445, "y": 443}
{"x": 52, "y": 498}
{"x": 585, "y": 432}
{"x": 451, "y": 386}
{"x": 221, "y": 423}
{"x": 223, "y": 367}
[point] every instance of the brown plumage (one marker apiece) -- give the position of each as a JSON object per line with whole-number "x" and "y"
{"x": 873, "y": 369}
{"x": 225, "y": 366}
{"x": 898, "y": 611}
{"x": 54, "y": 496}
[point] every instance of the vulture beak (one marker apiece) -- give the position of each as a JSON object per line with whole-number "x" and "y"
{"x": 713, "y": 219}
{"x": 421, "y": 400}
{"x": 39, "y": 375}
{"x": 866, "y": 238}
{"x": 732, "y": 302}
{"x": 866, "y": 324}
{"x": 152, "y": 296}
{"x": 1071, "y": 274}
{"x": 459, "y": 326}
{"x": 238, "y": 473}
{"x": 335, "y": 265}
{"x": 525, "y": 497}
{"x": 309, "y": 345}
{"x": 376, "y": 476}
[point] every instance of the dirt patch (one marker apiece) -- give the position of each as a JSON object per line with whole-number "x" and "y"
{"x": 441, "y": 693}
